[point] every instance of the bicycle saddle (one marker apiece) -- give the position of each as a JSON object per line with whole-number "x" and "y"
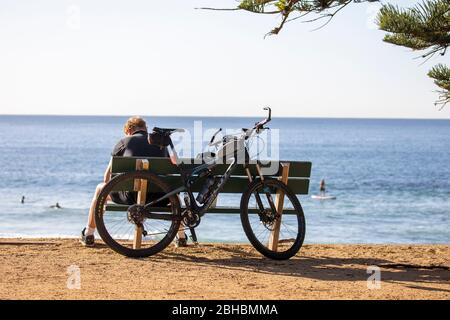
{"x": 166, "y": 131}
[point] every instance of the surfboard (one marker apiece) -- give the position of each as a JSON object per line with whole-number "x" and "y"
{"x": 319, "y": 197}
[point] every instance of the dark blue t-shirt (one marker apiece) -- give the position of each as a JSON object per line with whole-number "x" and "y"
{"x": 137, "y": 145}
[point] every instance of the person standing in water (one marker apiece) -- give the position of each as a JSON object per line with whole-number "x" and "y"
{"x": 322, "y": 187}
{"x": 23, "y": 200}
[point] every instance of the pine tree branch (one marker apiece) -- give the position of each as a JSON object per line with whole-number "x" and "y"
{"x": 425, "y": 26}
{"x": 322, "y": 9}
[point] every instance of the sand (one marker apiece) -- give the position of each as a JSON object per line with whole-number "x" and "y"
{"x": 38, "y": 269}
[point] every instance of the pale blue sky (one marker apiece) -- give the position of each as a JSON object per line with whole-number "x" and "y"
{"x": 166, "y": 58}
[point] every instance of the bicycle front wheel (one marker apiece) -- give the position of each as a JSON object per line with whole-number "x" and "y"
{"x": 126, "y": 226}
{"x": 273, "y": 219}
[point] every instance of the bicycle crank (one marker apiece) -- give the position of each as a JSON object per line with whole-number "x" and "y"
{"x": 191, "y": 220}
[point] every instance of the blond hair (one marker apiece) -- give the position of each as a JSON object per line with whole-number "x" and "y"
{"x": 135, "y": 123}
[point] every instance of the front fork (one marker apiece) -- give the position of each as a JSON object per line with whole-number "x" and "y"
{"x": 257, "y": 195}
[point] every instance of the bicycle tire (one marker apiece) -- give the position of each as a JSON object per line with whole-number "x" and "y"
{"x": 294, "y": 249}
{"x": 110, "y": 241}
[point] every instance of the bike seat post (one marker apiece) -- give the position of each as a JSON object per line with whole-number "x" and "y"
{"x": 173, "y": 154}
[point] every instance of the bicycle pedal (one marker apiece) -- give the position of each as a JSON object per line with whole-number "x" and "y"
{"x": 181, "y": 243}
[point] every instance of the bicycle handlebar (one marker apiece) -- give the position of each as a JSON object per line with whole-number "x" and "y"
{"x": 247, "y": 133}
{"x": 214, "y": 136}
{"x": 260, "y": 125}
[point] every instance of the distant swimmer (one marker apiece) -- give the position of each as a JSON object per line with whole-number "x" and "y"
{"x": 56, "y": 206}
{"x": 23, "y": 200}
{"x": 322, "y": 187}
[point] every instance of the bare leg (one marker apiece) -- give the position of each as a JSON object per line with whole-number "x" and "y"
{"x": 91, "y": 220}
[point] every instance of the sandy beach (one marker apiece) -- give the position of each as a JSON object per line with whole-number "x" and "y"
{"x": 38, "y": 269}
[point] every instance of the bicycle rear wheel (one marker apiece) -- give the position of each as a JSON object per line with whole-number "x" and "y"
{"x": 129, "y": 229}
{"x": 273, "y": 219}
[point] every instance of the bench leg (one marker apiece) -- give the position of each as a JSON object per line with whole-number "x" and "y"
{"x": 141, "y": 187}
{"x": 279, "y": 202}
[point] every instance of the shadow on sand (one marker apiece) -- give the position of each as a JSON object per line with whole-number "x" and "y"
{"x": 321, "y": 268}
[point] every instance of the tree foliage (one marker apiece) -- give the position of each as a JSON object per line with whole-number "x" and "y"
{"x": 441, "y": 76}
{"x": 426, "y": 26}
{"x": 290, "y": 10}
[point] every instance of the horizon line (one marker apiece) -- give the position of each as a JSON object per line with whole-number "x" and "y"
{"x": 218, "y": 116}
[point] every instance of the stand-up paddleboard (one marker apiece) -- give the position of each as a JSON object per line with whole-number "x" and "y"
{"x": 319, "y": 197}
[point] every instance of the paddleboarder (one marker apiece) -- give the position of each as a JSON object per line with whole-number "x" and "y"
{"x": 322, "y": 187}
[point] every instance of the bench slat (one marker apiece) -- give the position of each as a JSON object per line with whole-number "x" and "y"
{"x": 298, "y": 169}
{"x": 233, "y": 185}
{"x": 218, "y": 210}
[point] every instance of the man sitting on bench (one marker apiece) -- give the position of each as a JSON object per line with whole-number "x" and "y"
{"x": 135, "y": 144}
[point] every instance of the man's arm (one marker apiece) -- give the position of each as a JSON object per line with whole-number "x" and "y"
{"x": 107, "y": 175}
{"x": 117, "y": 151}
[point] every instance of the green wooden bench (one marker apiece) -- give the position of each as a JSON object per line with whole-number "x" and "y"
{"x": 295, "y": 173}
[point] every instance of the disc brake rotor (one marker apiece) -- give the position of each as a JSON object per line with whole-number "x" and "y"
{"x": 267, "y": 218}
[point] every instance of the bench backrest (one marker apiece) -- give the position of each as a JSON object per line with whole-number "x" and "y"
{"x": 299, "y": 173}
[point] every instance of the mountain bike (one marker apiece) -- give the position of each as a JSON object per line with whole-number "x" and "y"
{"x": 158, "y": 220}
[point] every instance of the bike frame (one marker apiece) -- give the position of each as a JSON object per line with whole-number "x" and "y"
{"x": 203, "y": 170}
{"x": 189, "y": 180}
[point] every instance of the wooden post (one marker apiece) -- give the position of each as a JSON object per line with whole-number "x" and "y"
{"x": 279, "y": 202}
{"x": 140, "y": 186}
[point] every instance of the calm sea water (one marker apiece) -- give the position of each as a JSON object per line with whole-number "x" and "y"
{"x": 391, "y": 177}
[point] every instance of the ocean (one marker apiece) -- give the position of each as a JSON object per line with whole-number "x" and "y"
{"x": 391, "y": 177}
